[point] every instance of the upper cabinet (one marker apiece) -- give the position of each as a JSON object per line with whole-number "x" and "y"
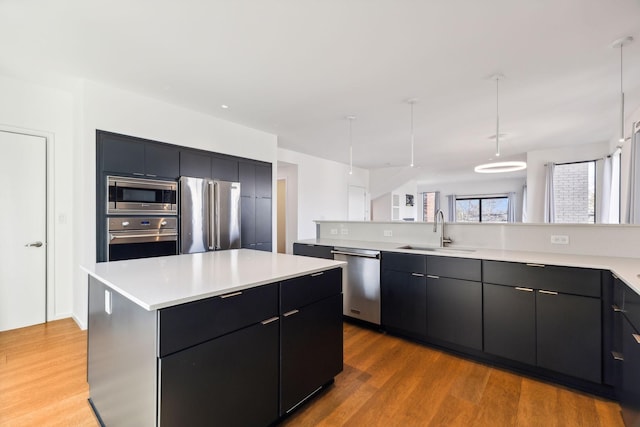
{"x": 203, "y": 164}
{"x": 255, "y": 179}
{"x": 137, "y": 157}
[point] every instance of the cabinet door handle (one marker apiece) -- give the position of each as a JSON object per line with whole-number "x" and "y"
{"x": 152, "y": 175}
{"x": 291, "y": 313}
{"x": 636, "y": 337}
{"x": 431, "y": 276}
{"x": 317, "y": 274}
{"x": 138, "y": 174}
{"x": 524, "y": 289}
{"x": 548, "y": 292}
{"x": 417, "y": 274}
{"x": 271, "y": 320}
{"x": 617, "y": 356}
{"x": 235, "y": 294}
{"x": 617, "y": 309}
{"x": 535, "y": 265}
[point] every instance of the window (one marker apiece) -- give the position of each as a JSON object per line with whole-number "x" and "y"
{"x": 482, "y": 209}
{"x": 574, "y": 192}
{"x": 430, "y": 205}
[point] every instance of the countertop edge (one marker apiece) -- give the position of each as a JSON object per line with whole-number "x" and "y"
{"x": 619, "y": 266}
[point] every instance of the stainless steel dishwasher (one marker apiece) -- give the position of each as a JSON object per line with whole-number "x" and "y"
{"x": 360, "y": 283}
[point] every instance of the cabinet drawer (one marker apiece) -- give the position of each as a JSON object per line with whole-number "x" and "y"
{"x": 570, "y": 280}
{"x": 192, "y": 323}
{"x": 456, "y": 268}
{"x": 316, "y": 251}
{"x": 631, "y": 306}
{"x": 411, "y": 263}
{"x": 301, "y": 291}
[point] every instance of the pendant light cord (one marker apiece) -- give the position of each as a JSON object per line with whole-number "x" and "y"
{"x": 621, "y": 98}
{"x": 412, "y": 135}
{"x": 497, "y": 116}
{"x": 350, "y": 118}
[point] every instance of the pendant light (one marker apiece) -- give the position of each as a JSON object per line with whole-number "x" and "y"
{"x": 411, "y": 102}
{"x": 620, "y": 44}
{"x": 351, "y": 119}
{"x": 499, "y": 167}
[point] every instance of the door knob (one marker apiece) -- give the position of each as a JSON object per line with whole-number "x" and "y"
{"x": 36, "y": 244}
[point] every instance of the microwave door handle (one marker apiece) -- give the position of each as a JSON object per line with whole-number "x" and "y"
{"x": 210, "y": 216}
{"x": 217, "y": 213}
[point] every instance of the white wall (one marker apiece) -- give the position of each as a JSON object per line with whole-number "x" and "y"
{"x": 536, "y": 171}
{"x": 381, "y": 208}
{"x": 289, "y": 172}
{"x": 323, "y": 189}
{"x": 625, "y": 161}
{"x": 479, "y": 187}
{"x": 116, "y": 110}
{"x": 34, "y": 109}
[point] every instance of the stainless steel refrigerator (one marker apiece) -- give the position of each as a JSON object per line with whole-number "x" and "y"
{"x": 209, "y": 215}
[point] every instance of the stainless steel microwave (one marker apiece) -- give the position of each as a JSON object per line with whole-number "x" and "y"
{"x": 139, "y": 196}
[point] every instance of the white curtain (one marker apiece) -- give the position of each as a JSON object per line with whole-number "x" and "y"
{"x": 632, "y": 216}
{"x": 451, "y": 204}
{"x": 549, "y": 203}
{"x": 610, "y": 199}
{"x": 511, "y": 208}
{"x": 524, "y": 203}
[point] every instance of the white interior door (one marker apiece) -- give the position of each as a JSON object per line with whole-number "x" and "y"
{"x": 23, "y": 250}
{"x": 357, "y": 203}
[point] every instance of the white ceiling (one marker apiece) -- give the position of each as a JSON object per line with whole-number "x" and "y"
{"x": 296, "y": 68}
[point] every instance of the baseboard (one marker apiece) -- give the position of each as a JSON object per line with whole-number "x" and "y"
{"x": 81, "y": 325}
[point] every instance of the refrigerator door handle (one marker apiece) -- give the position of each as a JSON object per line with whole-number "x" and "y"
{"x": 211, "y": 219}
{"x": 216, "y": 214}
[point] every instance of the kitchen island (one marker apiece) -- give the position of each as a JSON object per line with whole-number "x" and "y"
{"x": 237, "y": 337}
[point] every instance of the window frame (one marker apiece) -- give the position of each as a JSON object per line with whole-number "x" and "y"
{"x": 480, "y": 198}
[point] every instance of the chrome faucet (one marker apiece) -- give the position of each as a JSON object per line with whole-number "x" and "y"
{"x": 443, "y": 239}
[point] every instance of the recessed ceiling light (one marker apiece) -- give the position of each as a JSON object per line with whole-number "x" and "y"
{"x": 224, "y": 106}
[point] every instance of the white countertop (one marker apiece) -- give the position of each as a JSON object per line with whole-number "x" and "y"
{"x": 627, "y": 269}
{"x": 154, "y": 283}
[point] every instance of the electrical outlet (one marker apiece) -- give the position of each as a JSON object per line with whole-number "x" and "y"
{"x": 388, "y": 233}
{"x": 558, "y": 239}
{"x": 334, "y": 231}
{"x": 344, "y": 231}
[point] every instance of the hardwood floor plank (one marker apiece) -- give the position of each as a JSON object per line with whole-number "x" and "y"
{"x": 387, "y": 381}
{"x": 499, "y": 403}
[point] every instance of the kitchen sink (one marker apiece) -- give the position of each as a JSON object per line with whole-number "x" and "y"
{"x": 434, "y": 249}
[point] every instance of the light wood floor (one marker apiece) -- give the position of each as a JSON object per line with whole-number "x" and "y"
{"x": 386, "y": 381}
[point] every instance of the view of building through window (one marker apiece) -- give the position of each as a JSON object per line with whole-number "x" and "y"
{"x": 482, "y": 209}
{"x": 574, "y": 192}
{"x": 429, "y": 208}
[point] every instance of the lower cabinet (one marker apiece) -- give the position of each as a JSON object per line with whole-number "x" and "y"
{"x": 454, "y": 311}
{"x": 316, "y": 251}
{"x": 510, "y": 322}
{"x": 230, "y": 381}
{"x": 311, "y": 349}
{"x": 569, "y": 334}
{"x": 404, "y": 302}
{"x": 629, "y": 392}
{"x": 310, "y": 335}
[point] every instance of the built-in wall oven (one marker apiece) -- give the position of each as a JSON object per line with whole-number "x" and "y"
{"x": 140, "y": 196}
{"x": 141, "y": 237}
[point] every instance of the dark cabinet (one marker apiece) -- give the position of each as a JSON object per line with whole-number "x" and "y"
{"x": 454, "y": 301}
{"x": 567, "y": 317}
{"x": 224, "y": 169}
{"x": 510, "y": 322}
{"x": 404, "y": 302}
{"x": 630, "y": 374}
{"x": 231, "y": 380}
{"x": 310, "y": 334}
{"x": 569, "y": 334}
{"x": 454, "y": 311}
{"x": 123, "y": 154}
{"x": 403, "y": 293}
{"x": 195, "y": 163}
{"x": 255, "y": 189}
{"x": 316, "y": 251}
